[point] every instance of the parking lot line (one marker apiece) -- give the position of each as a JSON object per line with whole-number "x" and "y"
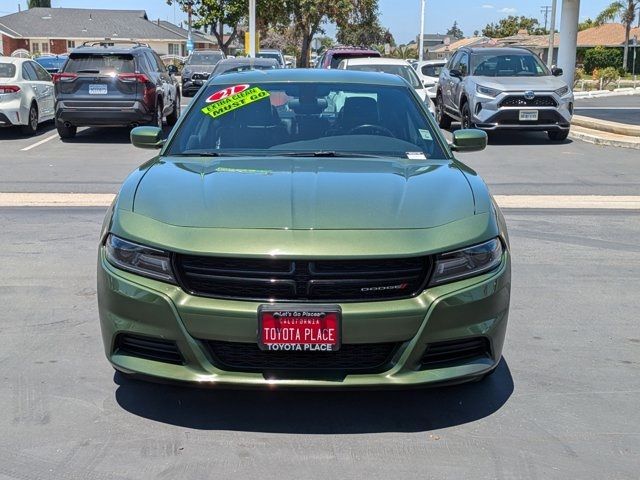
{"x": 562, "y": 202}
{"x": 37, "y": 144}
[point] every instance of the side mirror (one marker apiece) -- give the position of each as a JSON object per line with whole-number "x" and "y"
{"x": 172, "y": 69}
{"x": 454, "y": 72}
{"x": 469, "y": 140}
{"x": 147, "y": 137}
{"x": 556, "y": 72}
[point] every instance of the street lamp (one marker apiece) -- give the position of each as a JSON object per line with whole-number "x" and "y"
{"x": 252, "y": 28}
{"x": 190, "y": 45}
{"x": 421, "y": 43}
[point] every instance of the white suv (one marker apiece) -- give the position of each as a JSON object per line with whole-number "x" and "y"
{"x": 429, "y": 72}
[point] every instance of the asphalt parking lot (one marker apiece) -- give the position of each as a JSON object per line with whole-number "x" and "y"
{"x": 562, "y": 404}
{"x": 622, "y": 108}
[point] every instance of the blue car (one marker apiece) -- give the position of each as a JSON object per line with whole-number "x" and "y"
{"x": 52, "y": 63}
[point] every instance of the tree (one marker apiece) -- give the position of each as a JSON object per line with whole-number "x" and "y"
{"x": 588, "y": 23}
{"x": 625, "y": 10}
{"x": 39, "y": 3}
{"x": 510, "y": 26}
{"x": 599, "y": 58}
{"x": 361, "y": 25}
{"x": 476, "y": 33}
{"x": 455, "y": 31}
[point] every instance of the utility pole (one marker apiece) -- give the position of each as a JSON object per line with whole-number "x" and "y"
{"x": 545, "y": 11}
{"x": 635, "y": 48}
{"x": 421, "y": 42}
{"x": 252, "y": 28}
{"x": 189, "y": 36}
{"x": 552, "y": 34}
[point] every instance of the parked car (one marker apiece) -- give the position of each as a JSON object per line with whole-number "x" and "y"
{"x": 26, "y": 94}
{"x": 242, "y": 64}
{"x": 504, "y": 89}
{"x": 114, "y": 85}
{"x": 299, "y": 245}
{"x": 273, "y": 54}
{"x": 394, "y": 66}
{"x": 52, "y": 63}
{"x": 197, "y": 69}
{"x": 332, "y": 57}
{"x": 429, "y": 72}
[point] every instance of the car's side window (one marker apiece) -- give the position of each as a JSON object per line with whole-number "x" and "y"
{"x": 159, "y": 62}
{"x": 453, "y": 61}
{"x": 41, "y": 73}
{"x": 28, "y": 72}
{"x": 152, "y": 62}
{"x": 143, "y": 64}
{"x": 463, "y": 64}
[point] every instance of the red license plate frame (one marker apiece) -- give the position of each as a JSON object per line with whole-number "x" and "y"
{"x": 299, "y": 328}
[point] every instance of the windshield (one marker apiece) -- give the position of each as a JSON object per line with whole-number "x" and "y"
{"x": 205, "y": 58}
{"x": 431, "y": 70}
{"x": 220, "y": 69}
{"x": 306, "y": 118}
{"x": 51, "y": 62}
{"x": 96, "y": 63}
{"x": 7, "y": 70}
{"x": 404, "y": 71}
{"x": 339, "y": 56}
{"x": 276, "y": 56}
{"x": 508, "y": 65}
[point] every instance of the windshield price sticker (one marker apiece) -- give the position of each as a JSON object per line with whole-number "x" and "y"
{"x": 227, "y": 92}
{"x": 234, "y": 101}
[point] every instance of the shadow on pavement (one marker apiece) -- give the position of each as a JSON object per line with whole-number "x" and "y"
{"x": 14, "y": 133}
{"x": 316, "y": 412}
{"x": 518, "y": 138}
{"x": 100, "y": 135}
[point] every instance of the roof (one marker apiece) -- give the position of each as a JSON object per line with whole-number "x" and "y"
{"x": 14, "y": 60}
{"x": 248, "y": 61}
{"x": 500, "y": 50}
{"x": 375, "y": 61}
{"x": 607, "y": 35}
{"x": 184, "y": 33}
{"x": 464, "y": 42}
{"x": 310, "y": 75}
{"x": 529, "y": 41}
{"x": 431, "y": 62}
{"x": 85, "y": 23}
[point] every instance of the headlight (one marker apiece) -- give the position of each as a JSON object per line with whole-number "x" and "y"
{"x": 139, "y": 259}
{"x": 562, "y": 91}
{"x": 489, "y": 92}
{"x": 467, "y": 262}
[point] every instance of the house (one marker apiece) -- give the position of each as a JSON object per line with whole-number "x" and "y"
{"x": 58, "y": 30}
{"x": 538, "y": 44}
{"x": 607, "y": 35}
{"x": 444, "y": 51}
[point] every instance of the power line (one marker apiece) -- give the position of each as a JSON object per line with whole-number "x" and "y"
{"x": 545, "y": 10}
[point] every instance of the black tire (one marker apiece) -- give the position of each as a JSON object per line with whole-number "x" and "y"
{"x": 172, "y": 118}
{"x": 444, "y": 120}
{"x": 558, "y": 135}
{"x": 465, "y": 116}
{"x": 65, "y": 131}
{"x": 156, "y": 120}
{"x": 32, "y": 122}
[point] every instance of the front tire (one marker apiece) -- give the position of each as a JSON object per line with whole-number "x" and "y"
{"x": 65, "y": 131}
{"x": 444, "y": 120}
{"x": 465, "y": 116}
{"x": 558, "y": 135}
{"x": 32, "y": 121}
{"x": 172, "y": 118}
{"x": 156, "y": 120}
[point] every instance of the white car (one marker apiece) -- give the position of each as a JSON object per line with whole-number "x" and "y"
{"x": 26, "y": 94}
{"x": 393, "y": 66}
{"x": 429, "y": 73}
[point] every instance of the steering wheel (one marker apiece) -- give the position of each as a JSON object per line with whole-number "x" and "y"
{"x": 369, "y": 126}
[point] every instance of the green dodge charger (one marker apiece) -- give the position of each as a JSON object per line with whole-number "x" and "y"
{"x": 305, "y": 228}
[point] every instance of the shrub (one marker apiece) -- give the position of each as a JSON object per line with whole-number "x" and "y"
{"x": 601, "y": 57}
{"x": 607, "y": 75}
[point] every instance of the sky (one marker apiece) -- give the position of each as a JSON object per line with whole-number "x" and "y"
{"x": 402, "y": 17}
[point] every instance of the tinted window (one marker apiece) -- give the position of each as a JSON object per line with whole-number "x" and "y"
{"x": 508, "y": 65}
{"x": 463, "y": 64}
{"x": 41, "y": 73}
{"x": 205, "y": 58}
{"x": 220, "y": 69}
{"x": 276, "y": 56}
{"x": 158, "y": 61}
{"x": 454, "y": 61}
{"x": 339, "y": 56}
{"x": 404, "y": 71}
{"x": 51, "y": 62}
{"x": 7, "y": 70}
{"x": 28, "y": 72}
{"x": 431, "y": 70}
{"x": 100, "y": 63}
{"x": 278, "y": 118}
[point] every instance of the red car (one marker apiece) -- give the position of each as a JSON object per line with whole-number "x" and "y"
{"x": 332, "y": 57}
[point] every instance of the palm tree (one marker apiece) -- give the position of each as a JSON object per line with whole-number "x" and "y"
{"x": 625, "y": 10}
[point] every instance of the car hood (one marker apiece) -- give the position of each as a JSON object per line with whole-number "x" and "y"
{"x": 547, "y": 83}
{"x": 304, "y": 193}
{"x": 200, "y": 68}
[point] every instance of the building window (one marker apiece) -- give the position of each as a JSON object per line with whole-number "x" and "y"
{"x": 71, "y": 44}
{"x": 35, "y": 47}
{"x": 174, "y": 49}
{"x": 45, "y": 47}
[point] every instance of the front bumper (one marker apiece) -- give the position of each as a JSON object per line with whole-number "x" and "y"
{"x": 191, "y": 87}
{"x": 489, "y": 114}
{"x": 472, "y": 308}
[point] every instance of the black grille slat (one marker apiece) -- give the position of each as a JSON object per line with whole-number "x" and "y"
{"x": 455, "y": 351}
{"x": 302, "y": 280}
{"x": 149, "y": 348}
{"x": 537, "y": 101}
{"x": 351, "y": 358}
{"x": 200, "y": 76}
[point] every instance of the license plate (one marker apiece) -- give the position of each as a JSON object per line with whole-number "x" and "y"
{"x": 299, "y": 328}
{"x": 528, "y": 115}
{"x": 97, "y": 89}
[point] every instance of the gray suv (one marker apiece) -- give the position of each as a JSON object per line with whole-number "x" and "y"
{"x": 197, "y": 69}
{"x": 503, "y": 89}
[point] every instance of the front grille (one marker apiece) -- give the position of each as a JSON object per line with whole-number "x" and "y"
{"x": 520, "y": 101}
{"x": 545, "y": 117}
{"x": 200, "y": 76}
{"x": 351, "y": 358}
{"x": 454, "y": 351}
{"x": 302, "y": 280}
{"x": 148, "y": 347}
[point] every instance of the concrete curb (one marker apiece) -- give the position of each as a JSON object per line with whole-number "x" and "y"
{"x": 606, "y": 126}
{"x": 598, "y": 137}
{"x": 607, "y": 93}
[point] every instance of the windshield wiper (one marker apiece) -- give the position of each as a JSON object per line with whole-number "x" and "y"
{"x": 328, "y": 153}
